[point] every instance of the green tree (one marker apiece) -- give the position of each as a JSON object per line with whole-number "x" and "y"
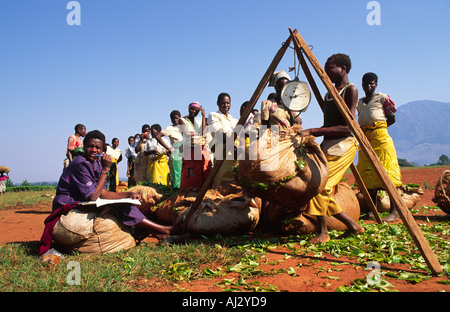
{"x": 404, "y": 163}
{"x": 25, "y": 183}
{"x": 9, "y": 183}
{"x": 443, "y": 160}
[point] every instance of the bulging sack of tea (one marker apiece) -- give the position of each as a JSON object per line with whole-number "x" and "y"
{"x": 442, "y": 192}
{"x": 304, "y": 224}
{"x": 150, "y": 197}
{"x": 231, "y": 213}
{"x": 288, "y": 170}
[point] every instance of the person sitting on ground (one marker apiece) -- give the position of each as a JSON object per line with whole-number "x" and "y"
{"x": 85, "y": 180}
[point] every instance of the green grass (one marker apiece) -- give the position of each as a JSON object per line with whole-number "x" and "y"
{"x": 11, "y": 199}
{"x": 21, "y": 269}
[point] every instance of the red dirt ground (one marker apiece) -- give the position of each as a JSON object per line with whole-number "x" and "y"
{"x": 25, "y": 224}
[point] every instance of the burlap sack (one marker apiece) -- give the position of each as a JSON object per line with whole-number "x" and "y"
{"x": 289, "y": 170}
{"x": 305, "y": 224}
{"x": 171, "y": 208}
{"x": 217, "y": 214}
{"x": 410, "y": 196}
{"x": 109, "y": 236}
{"x": 149, "y": 198}
{"x": 140, "y": 167}
{"x": 223, "y": 216}
{"x": 442, "y": 192}
{"x": 75, "y": 226}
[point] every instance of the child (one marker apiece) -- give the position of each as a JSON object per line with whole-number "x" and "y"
{"x": 176, "y": 139}
{"x": 158, "y": 166}
{"x": 338, "y": 145}
{"x": 376, "y": 113}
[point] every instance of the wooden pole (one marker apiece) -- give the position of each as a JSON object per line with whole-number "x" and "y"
{"x": 365, "y": 146}
{"x": 355, "y": 172}
{"x": 365, "y": 192}
{"x": 259, "y": 90}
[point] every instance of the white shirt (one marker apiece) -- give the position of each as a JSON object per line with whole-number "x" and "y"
{"x": 174, "y": 134}
{"x": 113, "y": 152}
{"x": 130, "y": 152}
{"x": 153, "y": 145}
{"x": 219, "y": 122}
{"x": 372, "y": 111}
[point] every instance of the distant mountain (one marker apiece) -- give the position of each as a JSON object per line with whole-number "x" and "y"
{"x": 421, "y": 133}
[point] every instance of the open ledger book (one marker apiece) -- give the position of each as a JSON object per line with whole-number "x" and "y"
{"x": 102, "y": 202}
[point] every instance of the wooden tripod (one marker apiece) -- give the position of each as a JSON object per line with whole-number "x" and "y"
{"x": 301, "y": 47}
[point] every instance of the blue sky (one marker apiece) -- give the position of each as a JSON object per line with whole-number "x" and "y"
{"x": 133, "y": 62}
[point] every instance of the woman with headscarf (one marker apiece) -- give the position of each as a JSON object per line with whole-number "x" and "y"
{"x": 196, "y": 161}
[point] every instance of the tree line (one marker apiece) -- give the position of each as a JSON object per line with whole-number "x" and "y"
{"x": 444, "y": 160}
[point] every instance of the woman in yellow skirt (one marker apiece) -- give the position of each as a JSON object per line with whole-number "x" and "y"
{"x": 338, "y": 145}
{"x": 376, "y": 112}
{"x": 116, "y": 158}
{"x": 158, "y": 166}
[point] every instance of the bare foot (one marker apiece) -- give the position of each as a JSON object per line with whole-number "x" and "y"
{"x": 358, "y": 229}
{"x": 322, "y": 238}
{"x": 166, "y": 229}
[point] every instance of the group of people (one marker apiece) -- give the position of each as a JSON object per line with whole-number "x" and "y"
{"x": 182, "y": 154}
